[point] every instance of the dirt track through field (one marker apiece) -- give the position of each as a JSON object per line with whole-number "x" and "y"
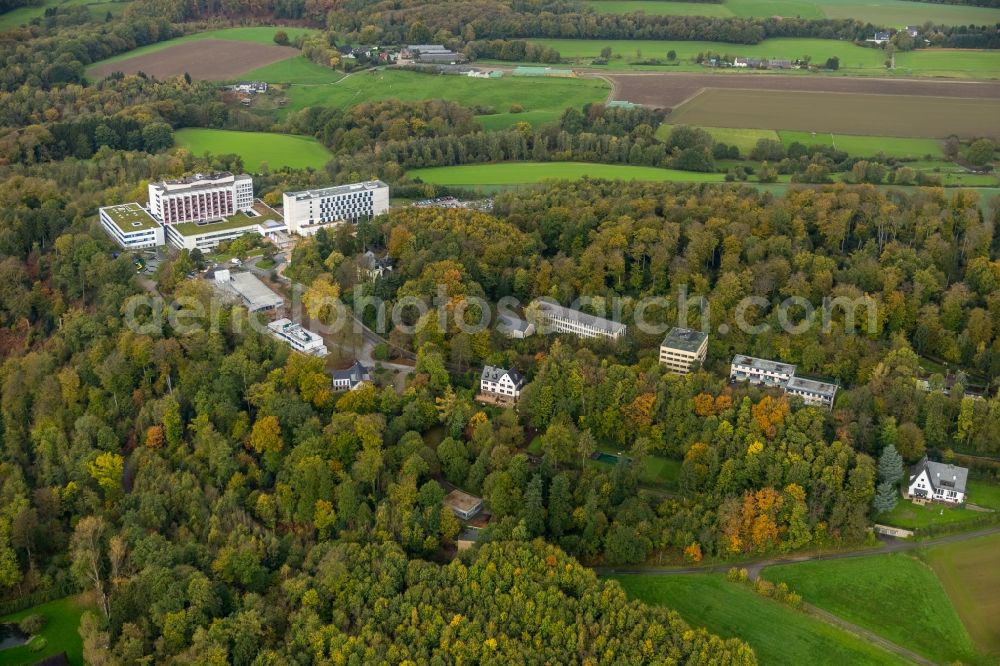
{"x": 665, "y": 90}
{"x": 206, "y": 59}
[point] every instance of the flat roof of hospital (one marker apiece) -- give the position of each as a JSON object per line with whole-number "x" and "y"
{"x": 130, "y": 217}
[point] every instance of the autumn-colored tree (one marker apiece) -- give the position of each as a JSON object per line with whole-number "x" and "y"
{"x": 266, "y": 436}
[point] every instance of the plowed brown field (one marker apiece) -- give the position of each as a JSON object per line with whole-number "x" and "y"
{"x": 207, "y": 59}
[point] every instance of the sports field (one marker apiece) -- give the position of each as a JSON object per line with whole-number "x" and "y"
{"x": 877, "y": 115}
{"x": 519, "y": 173}
{"x": 543, "y": 99}
{"x": 970, "y": 573}
{"x": 882, "y": 12}
{"x": 780, "y": 635}
{"x": 256, "y": 148}
{"x": 896, "y": 596}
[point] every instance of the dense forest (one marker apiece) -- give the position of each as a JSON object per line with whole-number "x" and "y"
{"x": 218, "y": 502}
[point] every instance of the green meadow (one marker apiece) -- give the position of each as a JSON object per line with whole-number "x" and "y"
{"x": 970, "y": 573}
{"x": 60, "y": 634}
{"x": 896, "y": 596}
{"x": 23, "y": 15}
{"x": 891, "y": 13}
{"x": 256, "y": 35}
{"x": 519, "y": 173}
{"x": 625, "y": 51}
{"x": 298, "y": 70}
{"x": 853, "y": 145}
{"x": 779, "y": 634}
{"x": 256, "y": 148}
{"x": 542, "y": 100}
{"x": 960, "y": 63}
{"x": 867, "y": 146}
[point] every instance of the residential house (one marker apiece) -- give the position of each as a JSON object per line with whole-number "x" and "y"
{"x": 740, "y": 62}
{"x": 933, "y": 481}
{"x": 501, "y": 384}
{"x": 298, "y": 338}
{"x": 372, "y": 267}
{"x": 879, "y": 38}
{"x": 350, "y": 379}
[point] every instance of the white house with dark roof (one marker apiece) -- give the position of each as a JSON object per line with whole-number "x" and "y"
{"x": 940, "y": 482}
{"x": 351, "y": 378}
{"x": 501, "y": 383}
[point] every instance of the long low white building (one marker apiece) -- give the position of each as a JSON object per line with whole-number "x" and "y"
{"x": 131, "y": 226}
{"x": 308, "y": 211}
{"x": 298, "y": 338}
{"x": 583, "y": 325}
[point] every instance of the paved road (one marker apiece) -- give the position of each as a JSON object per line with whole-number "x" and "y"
{"x": 887, "y": 545}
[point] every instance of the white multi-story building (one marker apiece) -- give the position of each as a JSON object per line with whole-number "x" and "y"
{"x": 200, "y": 197}
{"x": 567, "y": 320}
{"x": 682, "y": 348}
{"x": 812, "y": 392}
{"x": 760, "y": 371}
{"x": 501, "y": 383}
{"x": 131, "y": 226}
{"x": 298, "y": 338}
{"x": 764, "y": 372}
{"x": 308, "y": 211}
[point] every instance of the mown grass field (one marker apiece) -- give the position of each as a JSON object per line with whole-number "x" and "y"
{"x": 970, "y": 573}
{"x": 543, "y": 99}
{"x": 883, "y": 12}
{"x": 854, "y": 145}
{"x": 780, "y": 635}
{"x": 256, "y": 148}
{"x": 896, "y": 596}
{"x": 62, "y": 621}
{"x": 867, "y": 146}
{"x": 517, "y": 173}
{"x": 298, "y": 70}
{"x": 904, "y": 116}
{"x": 851, "y": 56}
{"x": 254, "y": 35}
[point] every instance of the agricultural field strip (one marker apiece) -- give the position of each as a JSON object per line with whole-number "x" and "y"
{"x": 673, "y": 89}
